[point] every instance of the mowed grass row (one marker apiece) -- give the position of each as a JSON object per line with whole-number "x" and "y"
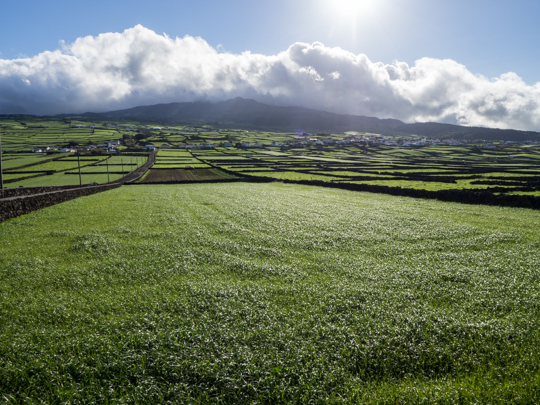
{"x": 269, "y": 293}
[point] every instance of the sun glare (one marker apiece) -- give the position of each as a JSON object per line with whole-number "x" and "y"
{"x": 354, "y": 6}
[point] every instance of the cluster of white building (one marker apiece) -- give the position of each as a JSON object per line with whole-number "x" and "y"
{"x": 111, "y": 146}
{"x": 207, "y": 145}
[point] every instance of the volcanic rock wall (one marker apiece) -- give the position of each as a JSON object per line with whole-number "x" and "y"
{"x": 14, "y": 206}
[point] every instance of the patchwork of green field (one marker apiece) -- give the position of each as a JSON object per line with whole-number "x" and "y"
{"x": 351, "y": 173}
{"x": 41, "y": 132}
{"x": 9, "y": 178}
{"x": 179, "y": 175}
{"x": 249, "y": 170}
{"x": 269, "y": 293}
{"x": 177, "y": 160}
{"x": 430, "y": 168}
{"x": 103, "y": 169}
{"x": 179, "y": 165}
{"x": 9, "y": 162}
{"x": 424, "y": 185}
{"x": 173, "y": 153}
{"x": 124, "y": 160}
{"x": 221, "y": 158}
{"x": 515, "y": 167}
{"x": 293, "y": 176}
{"x": 59, "y": 170}
{"x": 54, "y": 166}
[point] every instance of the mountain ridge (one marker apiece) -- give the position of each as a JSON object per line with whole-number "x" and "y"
{"x": 248, "y": 113}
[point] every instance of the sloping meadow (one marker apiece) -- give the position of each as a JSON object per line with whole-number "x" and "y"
{"x": 269, "y": 293}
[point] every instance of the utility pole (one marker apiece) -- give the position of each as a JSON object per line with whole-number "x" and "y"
{"x": 79, "y": 164}
{"x": 107, "y": 161}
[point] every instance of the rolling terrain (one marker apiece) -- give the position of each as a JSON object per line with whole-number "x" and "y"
{"x": 252, "y": 114}
{"x": 274, "y": 293}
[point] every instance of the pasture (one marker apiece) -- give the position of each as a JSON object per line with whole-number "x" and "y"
{"x": 505, "y": 168}
{"x": 269, "y": 293}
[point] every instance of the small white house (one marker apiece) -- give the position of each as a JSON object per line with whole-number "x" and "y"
{"x": 149, "y": 147}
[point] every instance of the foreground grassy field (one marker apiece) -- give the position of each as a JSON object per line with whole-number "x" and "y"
{"x": 272, "y": 293}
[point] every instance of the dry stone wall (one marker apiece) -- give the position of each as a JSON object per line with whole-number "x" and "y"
{"x": 21, "y": 191}
{"x": 14, "y": 206}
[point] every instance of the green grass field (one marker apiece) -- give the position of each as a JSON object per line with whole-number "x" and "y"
{"x": 269, "y": 293}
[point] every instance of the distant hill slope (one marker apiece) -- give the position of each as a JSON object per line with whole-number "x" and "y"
{"x": 250, "y": 113}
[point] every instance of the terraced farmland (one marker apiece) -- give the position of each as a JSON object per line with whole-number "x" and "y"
{"x": 276, "y": 293}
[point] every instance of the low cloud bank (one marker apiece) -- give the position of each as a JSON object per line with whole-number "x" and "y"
{"x": 139, "y": 67}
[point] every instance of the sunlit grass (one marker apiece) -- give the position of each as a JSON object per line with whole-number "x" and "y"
{"x": 275, "y": 293}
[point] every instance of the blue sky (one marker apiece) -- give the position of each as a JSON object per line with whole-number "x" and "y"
{"x": 489, "y": 37}
{"x": 455, "y": 53}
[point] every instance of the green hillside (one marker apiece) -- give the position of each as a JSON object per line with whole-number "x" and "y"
{"x": 269, "y": 293}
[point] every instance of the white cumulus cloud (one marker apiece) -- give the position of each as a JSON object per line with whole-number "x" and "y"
{"x": 141, "y": 67}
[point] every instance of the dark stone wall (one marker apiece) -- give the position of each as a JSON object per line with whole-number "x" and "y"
{"x": 15, "y": 206}
{"x": 20, "y": 191}
{"x": 483, "y": 197}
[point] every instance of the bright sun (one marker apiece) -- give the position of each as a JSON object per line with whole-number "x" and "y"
{"x": 354, "y": 6}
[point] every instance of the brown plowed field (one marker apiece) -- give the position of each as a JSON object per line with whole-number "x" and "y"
{"x": 159, "y": 176}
